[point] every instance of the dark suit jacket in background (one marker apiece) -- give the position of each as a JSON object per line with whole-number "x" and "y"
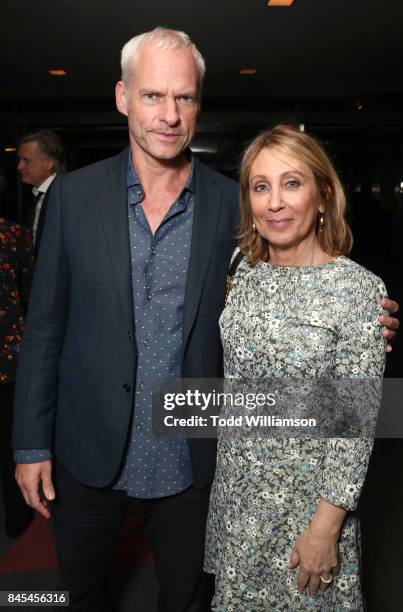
{"x": 41, "y": 220}
{"x": 29, "y": 216}
{"x": 76, "y": 376}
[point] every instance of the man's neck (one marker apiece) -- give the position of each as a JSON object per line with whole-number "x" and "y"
{"x": 160, "y": 175}
{"x": 44, "y": 184}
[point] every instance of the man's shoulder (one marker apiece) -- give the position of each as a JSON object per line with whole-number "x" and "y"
{"x": 95, "y": 170}
{"x": 207, "y": 173}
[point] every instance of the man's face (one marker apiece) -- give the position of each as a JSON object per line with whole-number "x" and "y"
{"x": 161, "y": 102}
{"x": 32, "y": 166}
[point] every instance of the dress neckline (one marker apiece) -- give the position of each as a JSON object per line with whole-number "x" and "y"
{"x": 326, "y": 264}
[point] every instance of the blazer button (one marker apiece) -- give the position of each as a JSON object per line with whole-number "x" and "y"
{"x": 126, "y": 387}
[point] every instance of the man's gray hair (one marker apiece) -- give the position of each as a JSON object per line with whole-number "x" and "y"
{"x": 50, "y": 146}
{"x": 163, "y": 38}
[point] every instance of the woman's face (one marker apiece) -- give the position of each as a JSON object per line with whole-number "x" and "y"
{"x": 284, "y": 198}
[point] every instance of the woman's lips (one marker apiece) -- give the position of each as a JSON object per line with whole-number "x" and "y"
{"x": 278, "y": 223}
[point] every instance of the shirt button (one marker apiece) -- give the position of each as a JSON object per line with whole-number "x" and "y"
{"x": 141, "y": 386}
{"x": 126, "y": 387}
{"x": 153, "y": 251}
{"x": 146, "y": 343}
{"x": 149, "y": 296}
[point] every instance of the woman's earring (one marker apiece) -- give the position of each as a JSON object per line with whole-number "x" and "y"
{"x": 321, "y": 221}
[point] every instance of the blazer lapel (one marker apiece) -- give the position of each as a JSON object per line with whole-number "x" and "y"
{"x": 114, "y": 215}
{"x": 207, "y": 207}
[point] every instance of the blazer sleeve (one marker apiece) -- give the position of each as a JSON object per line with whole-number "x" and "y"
{"x": 37, "y": 375}
{"x": 360, "y": 356}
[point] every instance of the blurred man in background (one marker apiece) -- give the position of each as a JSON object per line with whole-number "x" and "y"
{"x": 41, "y": 158}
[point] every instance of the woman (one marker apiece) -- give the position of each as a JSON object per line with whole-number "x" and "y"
{"x": 16, "y": 268}
{"x": 282, "y": 533}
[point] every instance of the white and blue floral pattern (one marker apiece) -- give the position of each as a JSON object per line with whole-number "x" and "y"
{"x": 305, "y": 322}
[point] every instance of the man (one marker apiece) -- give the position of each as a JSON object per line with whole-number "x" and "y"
{"x": 129, "y": 285}
{"x": 140, "y": 248}
{"x": 41, "y": 158}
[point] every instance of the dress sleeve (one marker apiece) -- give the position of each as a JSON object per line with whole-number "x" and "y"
{"x": 360, "y": 355}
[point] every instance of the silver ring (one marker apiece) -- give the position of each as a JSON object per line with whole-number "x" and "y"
{"x": 326, "y": 580}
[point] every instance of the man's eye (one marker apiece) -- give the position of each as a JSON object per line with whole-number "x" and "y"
{"x": 186, "y": 99}
{"x": 150, "y": 96}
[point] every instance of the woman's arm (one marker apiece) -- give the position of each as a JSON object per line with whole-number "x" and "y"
{"x": 360, "y": 356}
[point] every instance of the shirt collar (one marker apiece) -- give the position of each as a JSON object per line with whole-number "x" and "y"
{"x": 132, "y": 180}
{"x": 43, "y": 187}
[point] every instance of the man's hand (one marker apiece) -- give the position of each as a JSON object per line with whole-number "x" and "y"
{"x": 390, "y": 324}
{"x": 29, "y": 476}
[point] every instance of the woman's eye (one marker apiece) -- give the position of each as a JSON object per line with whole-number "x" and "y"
{"x": 292, "y": 184}
{"x": 260, "y": 187}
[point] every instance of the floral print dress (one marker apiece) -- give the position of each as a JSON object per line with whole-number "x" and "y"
{"x": 16, "y": 269}
{"x": 306, "y": 322}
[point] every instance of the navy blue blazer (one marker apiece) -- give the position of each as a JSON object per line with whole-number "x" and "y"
{"x": 76, "y": 375}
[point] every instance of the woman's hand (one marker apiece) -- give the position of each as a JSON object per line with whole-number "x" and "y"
{"x": 316, "y": 555}
{"x": 315, "y": 550}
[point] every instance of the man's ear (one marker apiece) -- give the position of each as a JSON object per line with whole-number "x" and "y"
{"x": 120, "y": 93}
{"x": 50, "y": 165}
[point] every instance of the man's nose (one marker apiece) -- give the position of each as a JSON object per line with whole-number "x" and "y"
{"x": 20, "y": 164}
{"x": 170, "y": 114}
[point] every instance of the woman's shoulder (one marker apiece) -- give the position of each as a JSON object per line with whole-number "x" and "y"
{"x": 239, "y": 263}
{"x": 356, "y": 278}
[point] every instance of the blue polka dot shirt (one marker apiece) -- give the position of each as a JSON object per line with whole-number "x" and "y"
{"x": 157, "y": 467}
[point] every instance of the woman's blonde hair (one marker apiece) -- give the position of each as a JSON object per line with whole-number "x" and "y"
{"x": 335, "y": 236}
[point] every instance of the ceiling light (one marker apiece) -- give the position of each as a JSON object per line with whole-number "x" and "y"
{"x": 10, "y": 150}
{"x": 280, "y": 2}
{"x": 247, "y": 71}
{"x": 57, "y": 72}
